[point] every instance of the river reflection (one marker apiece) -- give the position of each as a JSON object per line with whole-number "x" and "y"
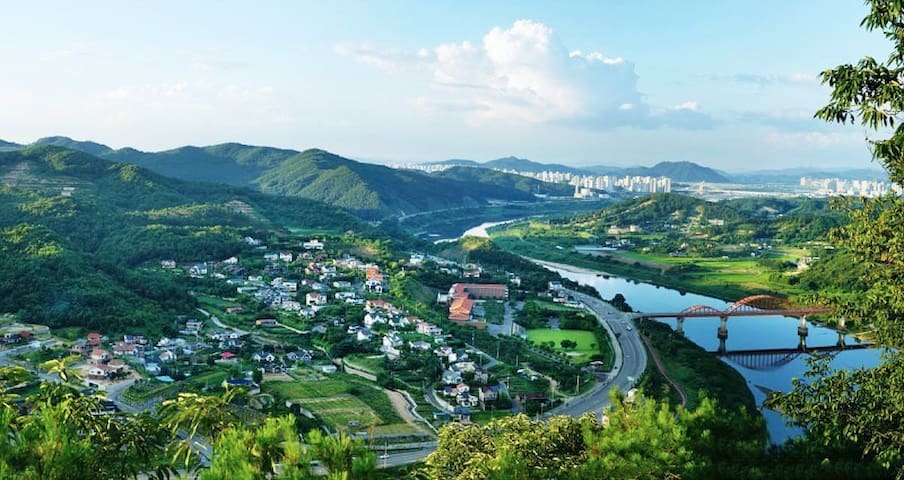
{"x": 744, "y": 333}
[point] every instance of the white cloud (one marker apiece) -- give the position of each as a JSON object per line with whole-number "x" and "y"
{"x": 689, "y": 105}
{"x": 525, "y": 75}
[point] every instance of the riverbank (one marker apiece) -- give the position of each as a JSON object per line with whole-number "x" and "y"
{"x": 697, "y": 372}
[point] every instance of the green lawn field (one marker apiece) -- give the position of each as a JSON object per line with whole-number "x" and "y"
{"x": 587, "y": 343}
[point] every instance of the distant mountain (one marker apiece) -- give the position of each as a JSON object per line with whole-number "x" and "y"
{"x": 512, "y": 163}
{"x": 524, "y": 165}
{"x": 368, "y": 190}
{"x": 376, "y": 191}
{"x": 677, "y": 171}
{"x": 88, "y": 147}
{"x": 509, "y": 180}
{"x": 457, "y": 162}
{"x": 4, "y": 145}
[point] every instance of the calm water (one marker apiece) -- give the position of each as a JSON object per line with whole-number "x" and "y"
{"x": 744, "y": 333}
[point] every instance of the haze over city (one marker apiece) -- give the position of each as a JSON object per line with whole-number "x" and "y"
{"x": 585, "y": 83}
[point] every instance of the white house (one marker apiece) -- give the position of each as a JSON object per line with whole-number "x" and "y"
{"x": 167, "y": 264}
{"x": 315, "y": 299}
{"x": 285, "y": 257}
{"x": 263, "y": 357}
{"x": 313, "y": 245}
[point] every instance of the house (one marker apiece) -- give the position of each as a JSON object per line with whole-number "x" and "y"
{"x": 462, "y": 414}
{"x": 285, "y": 257}
{"x": 194, "y": 325}
{"x": 371, "y": 319}
{"x": 228, "y": 357}
{"x": 391, "y": 344}
{"x": 80, "y": 347}
{"x": 416, "y": 260}
{"x": 152, "y": 368}
{"x": 198, "y": 270}
{"x": 167, "y": 264}
{"x": 305, "y": 356}
{"x": 252, "y": 242}
{"x": 320, "y": 328}
{"x": 233, "y": 310}
{"x": 263, "y": 357}
{"x": 290, "y": 306}
{"x": 363, "y": 335}
{"x": 460, "y": 311}
{"x": 265, "y": 322}
{"x": 99, "y": 372}
{"x": 116, "y": 366}
{"x": 488, "y": 393}
{"x": 420, "y": 345}
{"x": 231, "y": 261}
{"x": 313, "y": 245}
{"x": 98, "y": 356}
{"x": 128, "y": 349}
{"x": 429, "y": 329}
{"x": 479, "y": 290}
{"x": 271, "y": 257}
{"x": 481, "y": 376}
{"x": 290, "y": 286}
{"x": 451, "y": 376}
{"x": 94, "y": 339}
{"x": 166, "y": 356}
{"x": 314, "y": 299}
{"x": 342, "y": 284}
{"x": 136, "y": 339}
{"x": 373, "y": 279}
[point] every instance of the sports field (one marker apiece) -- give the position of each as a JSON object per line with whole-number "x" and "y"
{"x": 587, "y": 343}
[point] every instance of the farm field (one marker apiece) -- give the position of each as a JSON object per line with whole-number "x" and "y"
{"x": 343, "y": 403}
{"x": 586, "y": 342}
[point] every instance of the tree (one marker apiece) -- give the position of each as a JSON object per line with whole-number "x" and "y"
{"x": 866, "y": 407}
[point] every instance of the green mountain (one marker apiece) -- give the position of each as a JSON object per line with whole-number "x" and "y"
{"x": 368, "y": 190}
{"x": 4, "y": 145}
{"x": 374, "y": 191}
{"x": 89, "y": 147}
{"x": 230, "y": 163}
{"x": 73, "y": 228}
{"x": 493, "y": 178}
{"x": 677, "y": 171}
{"x": 513, "y": 163}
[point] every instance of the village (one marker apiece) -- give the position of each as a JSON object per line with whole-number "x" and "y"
{"x": 320, "y": 334}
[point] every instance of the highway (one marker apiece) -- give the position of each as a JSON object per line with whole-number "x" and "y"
{"x": 630, "y": 362}
{"x": 630, "y": 358}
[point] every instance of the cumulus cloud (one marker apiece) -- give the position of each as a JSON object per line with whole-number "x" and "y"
{"x": 525, "y": 74}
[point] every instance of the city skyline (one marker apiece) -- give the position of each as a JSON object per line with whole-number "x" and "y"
{"x": 725, "y": 86}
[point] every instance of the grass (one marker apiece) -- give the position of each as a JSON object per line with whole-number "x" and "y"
{"x": 694, "y": 370}
{"x": 341, "y": 399}
{"x": 587, "y": 343}
{"x": 729, "y": 280}
{"x": 369, "y": 363}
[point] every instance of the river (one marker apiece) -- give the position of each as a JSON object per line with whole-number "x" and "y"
{"x": 744, "y": 333}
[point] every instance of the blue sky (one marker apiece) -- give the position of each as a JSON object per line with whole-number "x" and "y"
{"x": 727, "y": 84}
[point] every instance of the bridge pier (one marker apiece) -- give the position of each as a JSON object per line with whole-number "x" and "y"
{"x": 841, "y": 341}
{"x": 680, "y": 326}
{"x": 722, "y": 333}
{"x": 802, "y": 332}
{"x": 842, "y": 324}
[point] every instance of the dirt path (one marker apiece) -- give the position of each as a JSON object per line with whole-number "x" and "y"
{"x": 662, "y": 371}
{"x": 401, "y": 407}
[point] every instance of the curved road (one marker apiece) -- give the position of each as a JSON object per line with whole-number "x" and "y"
{"x": 630, "y": 362}
{"x": 630, "y": 358}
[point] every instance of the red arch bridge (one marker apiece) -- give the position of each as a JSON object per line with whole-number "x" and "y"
{"x": 755, "y": 306}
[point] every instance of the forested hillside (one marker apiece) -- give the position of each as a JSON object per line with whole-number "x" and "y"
{"x": 375, "y": 191}
{"x": 74, "y": 227}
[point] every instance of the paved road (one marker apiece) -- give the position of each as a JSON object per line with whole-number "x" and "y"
{"x": 630, "y": 358}
{"x": 630, "y": 362}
